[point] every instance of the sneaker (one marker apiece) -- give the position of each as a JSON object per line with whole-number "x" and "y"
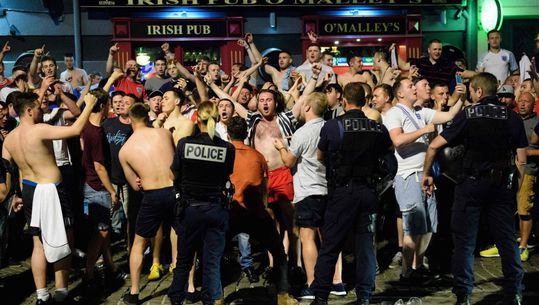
{"x": 47, "y": 302}
{"x": 524, "y": 254}
{"x": 338, "y": 289}
{"x": 192, "y": 297}
{"x": 490, "y": 252}
{"x": 396, "y": 262}
{"x": 286, "y": 299}
{"x": 155, "y": 272}
{"x": 251, "y": 275}
{"x": 171, "y": 268}
{"x": 511, "y": 300}
{"x": 130, "y": 299}
{"x": 306, "y": 293}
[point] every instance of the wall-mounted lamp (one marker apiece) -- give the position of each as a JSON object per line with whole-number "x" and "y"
{"x": 142, "y": 58}
{"x": 443, "y": 17}
{"x": 272, "y": 20}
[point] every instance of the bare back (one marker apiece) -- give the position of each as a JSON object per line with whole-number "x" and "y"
{"x": 148, "y": 155}
{"x": 266, "y": 131}
{"x": 179, "y": 126}
{"x": 33, "y": 155}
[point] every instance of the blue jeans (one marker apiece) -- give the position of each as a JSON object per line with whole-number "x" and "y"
{"x": 473, "y": 197}
{"x": 204, "y": 225}
{"x": 350, "y": 207}
{"x": 246, "y": 260}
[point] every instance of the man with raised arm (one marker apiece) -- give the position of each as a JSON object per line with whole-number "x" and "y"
{"x": 355, "y": 73}
{"x": 138, "y": 159}
{"x": 171, "y": 117}
{"x": 30, "y": 147}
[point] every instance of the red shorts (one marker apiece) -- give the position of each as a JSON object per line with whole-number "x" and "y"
{"x": 280, "y": 185}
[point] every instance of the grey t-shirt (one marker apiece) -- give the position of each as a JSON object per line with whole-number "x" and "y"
{"x": 310, "y": 177}
{"x": 155, "y": 83}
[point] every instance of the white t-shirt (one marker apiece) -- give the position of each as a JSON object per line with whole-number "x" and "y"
{"x": 307, "y": 69}
{"x": 61, "y": 150}
{"x": 220, "y": 131}
{"x": 410, "y": 157}
{"x": 500, "y": 64}
{"x": 310, "y": 177}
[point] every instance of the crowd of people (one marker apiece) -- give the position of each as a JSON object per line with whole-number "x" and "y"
{"x": 195, "y": 156}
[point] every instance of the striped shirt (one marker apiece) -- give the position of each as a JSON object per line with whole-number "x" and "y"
{"x": 285, "y": 120}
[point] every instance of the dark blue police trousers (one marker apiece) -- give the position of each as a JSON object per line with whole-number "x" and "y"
{"x": 201, "y": 225}
{"x": 350, "y": 208}
{"x": 475, "y": 198}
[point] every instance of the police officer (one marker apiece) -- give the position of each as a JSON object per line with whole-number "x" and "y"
{"x": 350, "y": 145}
{"x": 202, "y": 166}
{"x": 491, "y": 134}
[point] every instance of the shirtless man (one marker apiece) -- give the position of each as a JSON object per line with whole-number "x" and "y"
{"x": 30, "y": 147}
{"x": 281, "y": 77}
{"x": 179, "y": 126}
{"x": 267, "y": 125}
{"x": 171, "y": 117}
{"x": 355, "y": 72}
{"x": 138, "y": 159}
{"x": 385, "y": 74}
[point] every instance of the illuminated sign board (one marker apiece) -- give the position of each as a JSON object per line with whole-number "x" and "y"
{"x": 269, "y": 3}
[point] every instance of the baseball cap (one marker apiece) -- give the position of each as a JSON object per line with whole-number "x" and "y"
{"x": 506, "y": 90}
{"x": 155, "y": 93}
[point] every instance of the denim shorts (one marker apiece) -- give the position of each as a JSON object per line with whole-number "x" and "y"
{"x": 419, "y": 213}
{"x": 99, "y": 207}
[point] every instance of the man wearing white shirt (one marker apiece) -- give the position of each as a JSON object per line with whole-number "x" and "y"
{"x": 408, "y": 130}
{"x": 313, "y": 56}
{"x": 498, "y": 61}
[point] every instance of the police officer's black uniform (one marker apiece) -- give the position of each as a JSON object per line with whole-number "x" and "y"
{"x": 352, "y": 145}
{"x": 490, "y": 133}
{"x": 202, "y": 166}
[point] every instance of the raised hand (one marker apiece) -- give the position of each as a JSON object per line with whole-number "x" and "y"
{"x": 6, "y": 48}
{"x": 114, "y": 49}
{"x": 39, "y": 51}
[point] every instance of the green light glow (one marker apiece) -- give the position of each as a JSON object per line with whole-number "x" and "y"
{"x": 491, "y": 15}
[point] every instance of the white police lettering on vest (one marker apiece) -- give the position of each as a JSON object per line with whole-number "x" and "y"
{"x": 205, "y": 153}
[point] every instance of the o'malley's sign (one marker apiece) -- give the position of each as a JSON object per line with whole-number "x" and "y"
{"x": 268, "y": 3}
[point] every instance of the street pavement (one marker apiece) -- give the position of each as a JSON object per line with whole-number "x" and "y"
{"x": 16, "y": 285}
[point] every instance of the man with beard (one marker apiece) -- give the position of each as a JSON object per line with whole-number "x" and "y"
{"x": 30, "y": 147}
{"x": 126, "y": 80}
{"x": 265, "y": 126}
{"x": 281, "y": 77}
{"x": 159, "y": 79}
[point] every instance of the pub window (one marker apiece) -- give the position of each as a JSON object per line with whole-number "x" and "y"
{"x": 192, "y": 53}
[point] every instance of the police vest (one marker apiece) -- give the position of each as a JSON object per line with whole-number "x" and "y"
{"x": 487, "y": 138}
{"x": 205, "y": 167}
{"x": 357, "y": 157}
